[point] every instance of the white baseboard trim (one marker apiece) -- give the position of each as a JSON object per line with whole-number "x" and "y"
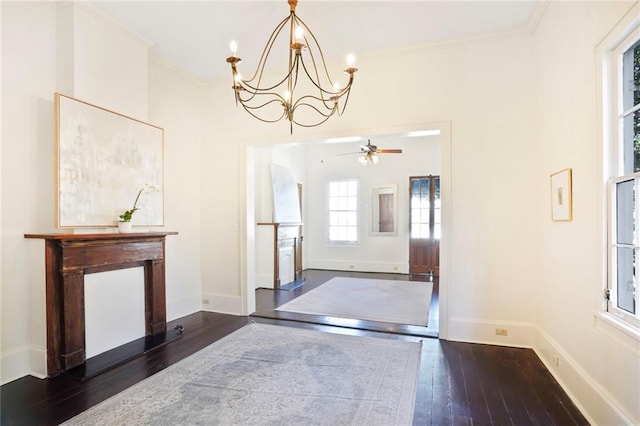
{"x": 15, "y": 364}
{"x": 470, "y": 330}
{"x": 595, "y": 403}
{"x": 359, "y": 266}
{"x": 222, "y": 303}
{"x": 38, "y": 362}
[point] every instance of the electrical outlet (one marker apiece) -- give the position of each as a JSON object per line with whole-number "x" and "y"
{"x": 395, "y": 268}
{"x": 501, "y": 332}
{"x": 205, "y": 301}
{"x": 351, "y": 266}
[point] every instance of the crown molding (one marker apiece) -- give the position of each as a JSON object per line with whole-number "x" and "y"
{"x": 113, "y": 22}
{"x": 538, "y": 14}
{"x": 161, "y": 60}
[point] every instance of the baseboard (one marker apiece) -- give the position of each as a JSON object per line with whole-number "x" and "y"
{"x": 518, "y": 334}
{"x": 594, "y": 402}
{"x": 223, "y": 304}
{"x": 15, "y": 364}
{"x": 38, "y": 362}
{"x": 359, "y": 266}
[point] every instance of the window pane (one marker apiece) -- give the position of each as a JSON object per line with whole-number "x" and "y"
{"x": 631, "y": 142}
{"x": 424, "y": 216}
{"x": 436, "y": 231}
{"x": 626, "y": 279}
{"x": 631, "y": 77}
{"x": 333, "y": 218}
{"x": 352, "y": 203}
{"x": 351, "y": 218}
{"x": 625, "y": 195}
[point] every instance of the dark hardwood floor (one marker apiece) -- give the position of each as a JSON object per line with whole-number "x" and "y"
{"x": 459, "y": 383}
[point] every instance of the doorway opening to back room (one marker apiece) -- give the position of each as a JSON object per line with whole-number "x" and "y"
{"x": 307, "y": 259}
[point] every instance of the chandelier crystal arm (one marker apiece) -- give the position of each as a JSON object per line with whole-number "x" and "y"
{"x": 326, "y": 117}
{"x": 258, "y": 89}
{"x": 249, "y": 110}
{"x": 324, "y": 91}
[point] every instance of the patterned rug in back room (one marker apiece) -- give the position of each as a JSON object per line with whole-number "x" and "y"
{"x": 398, "y": 302}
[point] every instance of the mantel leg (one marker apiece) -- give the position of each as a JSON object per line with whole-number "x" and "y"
{"x": 73, "y": 351}
{"x": 155, "y": 299}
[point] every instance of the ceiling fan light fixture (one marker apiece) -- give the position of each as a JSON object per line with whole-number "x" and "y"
{"x": 325, "y": 97}
{"x": 363, "y": 160}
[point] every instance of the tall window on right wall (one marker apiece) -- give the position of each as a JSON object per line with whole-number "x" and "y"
{"x": 624, "y": 191}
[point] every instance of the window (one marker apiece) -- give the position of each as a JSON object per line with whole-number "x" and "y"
{"x": 624, "y": 199}
{"x": 343, "y": 211}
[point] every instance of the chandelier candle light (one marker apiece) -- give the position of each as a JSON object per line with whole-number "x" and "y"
{"x": 271, "y": 102}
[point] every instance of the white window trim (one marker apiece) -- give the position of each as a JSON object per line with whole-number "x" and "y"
{"x": 626, "y": 32}
{"x": 336, "y": 243}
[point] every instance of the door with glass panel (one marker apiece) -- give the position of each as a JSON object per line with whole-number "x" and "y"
{"x": 424, "y": 241}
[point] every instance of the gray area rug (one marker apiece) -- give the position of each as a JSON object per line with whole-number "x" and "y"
{"x": 398, "y": 302}
{"x": 274, "y": 375}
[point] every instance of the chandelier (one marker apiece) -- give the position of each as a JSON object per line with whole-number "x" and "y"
{"x": 321, "y": 97}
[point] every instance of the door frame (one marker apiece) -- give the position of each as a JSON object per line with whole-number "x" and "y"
{"x": 247, "y": 233}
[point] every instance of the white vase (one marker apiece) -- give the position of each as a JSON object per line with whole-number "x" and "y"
{"x": 124, "y": 227}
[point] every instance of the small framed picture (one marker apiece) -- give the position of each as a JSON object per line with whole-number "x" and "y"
{"x": 561, "y": 197}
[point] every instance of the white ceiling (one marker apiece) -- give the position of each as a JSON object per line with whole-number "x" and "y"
{"x": 194, "y": 35}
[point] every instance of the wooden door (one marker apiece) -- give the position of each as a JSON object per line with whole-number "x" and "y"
{"x": 424, "y": 241}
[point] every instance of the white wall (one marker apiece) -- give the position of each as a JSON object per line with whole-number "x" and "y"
{"x": 31, "y": 72}
{"x": 28, "y": 83}
{"x": 598, "y": 365}
{"x": 175, "y": 102}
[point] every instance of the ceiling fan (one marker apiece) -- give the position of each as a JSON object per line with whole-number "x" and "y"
{"x": 369, "y": 153}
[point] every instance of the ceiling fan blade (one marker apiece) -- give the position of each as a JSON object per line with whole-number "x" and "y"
{"x": 389, "y": 151}
{"x": 349, "y": 153}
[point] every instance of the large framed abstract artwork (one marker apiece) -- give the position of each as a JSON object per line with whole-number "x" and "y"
{"x": 104, "y": 161}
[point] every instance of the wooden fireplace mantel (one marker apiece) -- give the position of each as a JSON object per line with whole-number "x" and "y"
{"x": 68, "y": 257}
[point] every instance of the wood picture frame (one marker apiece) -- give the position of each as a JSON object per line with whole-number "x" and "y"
{"x": 562, "y": 196}
{"x": 104, "y": 159}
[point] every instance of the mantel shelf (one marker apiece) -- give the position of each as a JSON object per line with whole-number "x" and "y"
{"x": 102, "y": 236}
